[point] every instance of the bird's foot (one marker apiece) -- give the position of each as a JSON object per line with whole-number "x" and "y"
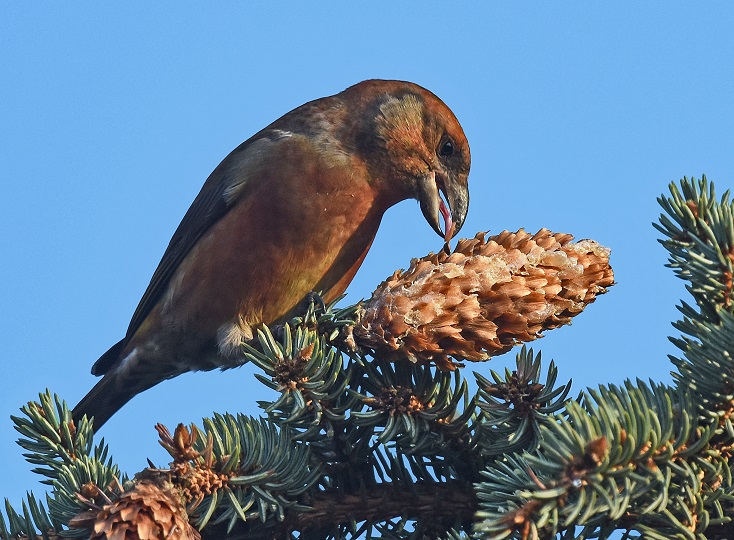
{"x": 308, "y": 311}
{"x": 311, "y": 308}
{"x": 314, "y": 299}
{"x": 278, "y": 332}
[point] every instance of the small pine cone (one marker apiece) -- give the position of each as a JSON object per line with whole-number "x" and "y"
{"x": 147, "y": 512}
{"x": 484, "y": 297}
{"x": 198, "y": 481}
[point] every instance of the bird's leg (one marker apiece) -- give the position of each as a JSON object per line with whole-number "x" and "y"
{"x": 314, "y": 299}
{"x": 278, "y": 331}
{"x": 309, "y": 309}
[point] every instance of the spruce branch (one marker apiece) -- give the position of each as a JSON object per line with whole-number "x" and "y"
{"x": 372, "y": 429}
{"x": 651, "y": 459}
{"x": 436, "y": 506}
{"x": 515, "y": 405}
{"x": 612, "y": 458}
{"x": 699, "y": 235}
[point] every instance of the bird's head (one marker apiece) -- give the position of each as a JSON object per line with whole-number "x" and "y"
{"x": 420, "y": 149}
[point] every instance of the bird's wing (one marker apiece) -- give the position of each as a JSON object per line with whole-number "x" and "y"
{"x": 219, "y": 193}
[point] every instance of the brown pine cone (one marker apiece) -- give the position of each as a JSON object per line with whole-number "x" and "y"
{"x": 484, "y": 297}
{"x": 146, "y": 512}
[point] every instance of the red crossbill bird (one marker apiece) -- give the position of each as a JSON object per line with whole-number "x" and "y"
{"x": 293, "y": 209}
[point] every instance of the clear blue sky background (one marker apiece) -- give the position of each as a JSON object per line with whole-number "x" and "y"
{"x": 113, "y": 114}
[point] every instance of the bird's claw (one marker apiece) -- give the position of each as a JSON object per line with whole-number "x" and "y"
{"x": 314, "y": 301}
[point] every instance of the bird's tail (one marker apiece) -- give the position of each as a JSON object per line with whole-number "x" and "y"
{"x": 104, "y": 400}
{"x": 122, "y": 381}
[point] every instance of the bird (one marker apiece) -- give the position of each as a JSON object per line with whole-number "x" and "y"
{"x": 292, "y": 210}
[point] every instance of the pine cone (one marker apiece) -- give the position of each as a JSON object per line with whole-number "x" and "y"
{"x": 147, "y": 512}
{"x": 484, "y": 297}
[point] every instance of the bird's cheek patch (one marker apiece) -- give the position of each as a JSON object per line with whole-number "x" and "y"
{"x": 400, "y": 126}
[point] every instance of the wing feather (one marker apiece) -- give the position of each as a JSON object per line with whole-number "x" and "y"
{"x": 220, "y": 192}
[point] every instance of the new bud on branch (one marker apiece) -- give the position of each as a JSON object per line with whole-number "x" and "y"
{"x": 484, "y": 297}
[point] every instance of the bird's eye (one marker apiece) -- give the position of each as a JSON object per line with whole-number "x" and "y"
{"x": 447, "y": 148}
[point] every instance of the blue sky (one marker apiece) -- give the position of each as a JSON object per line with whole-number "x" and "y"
{"x": 112, "y": 115}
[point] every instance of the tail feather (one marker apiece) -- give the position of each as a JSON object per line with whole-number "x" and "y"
{"x": 136, "y": 372}
{"x": 104, "y": 400}
{"x": 108, "y": 395}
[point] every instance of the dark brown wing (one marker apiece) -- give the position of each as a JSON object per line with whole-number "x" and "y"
{"x": 220, "y": 191}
